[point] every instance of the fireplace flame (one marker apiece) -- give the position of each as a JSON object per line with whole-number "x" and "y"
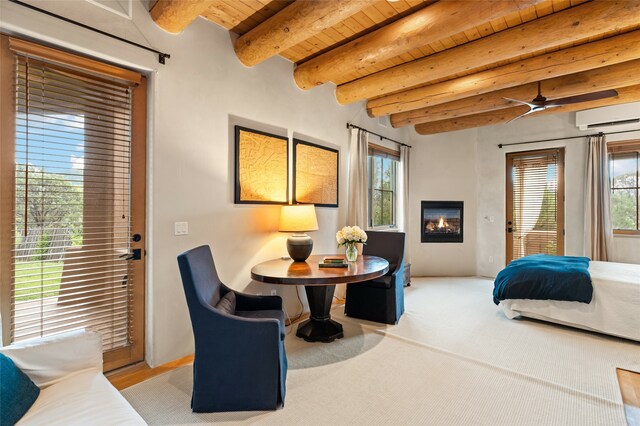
{"x": 442, "y": 223}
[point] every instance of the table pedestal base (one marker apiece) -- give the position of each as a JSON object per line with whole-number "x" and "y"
{"x": 320, "y": 327}
{"x": 320, "y": 331}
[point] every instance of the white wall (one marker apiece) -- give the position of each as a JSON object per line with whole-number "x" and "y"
{"x": 492, "y": 183}
{"x": 468, "y": 165}
{"x": 194, "y": 101}
{"x": 491, "y": 186}
{"x": 443, "y": 168}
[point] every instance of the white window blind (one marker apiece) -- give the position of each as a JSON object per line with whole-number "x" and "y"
{"x": 536, "y": 204}
{"x": 71, "y": 228}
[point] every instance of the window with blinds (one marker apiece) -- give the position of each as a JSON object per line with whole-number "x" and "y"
{"x": 535, "y": 203}
{"x": 73, "y": 260}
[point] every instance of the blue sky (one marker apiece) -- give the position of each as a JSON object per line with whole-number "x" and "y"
{"x": 623, "y": 165}
{"x": 56, "y": 142}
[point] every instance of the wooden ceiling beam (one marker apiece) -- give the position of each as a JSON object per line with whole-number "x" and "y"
{"x": 535, "y": 37}
{"x": 468, "y": 106}
{"x": 625, "y": 95}
{"x": 175, "y": 15}
{"x": 472, "y": 121}
{"x": 292, "y": 25}
{"x": 613, "y": 50}
{"x": 221, "y": 17}
{"x": 433, "y": 23}
{"x": 604, "y": 78}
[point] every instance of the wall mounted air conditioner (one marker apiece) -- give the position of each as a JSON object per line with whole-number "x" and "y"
{"x": 615, "y": 117}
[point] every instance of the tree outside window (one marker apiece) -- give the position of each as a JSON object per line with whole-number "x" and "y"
{"x": 623, "y": 170}
{"x": 382, "y": 191}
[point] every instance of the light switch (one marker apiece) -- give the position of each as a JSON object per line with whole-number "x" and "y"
{"x": 181, "y": 228}
{"x": 491, "y": 219}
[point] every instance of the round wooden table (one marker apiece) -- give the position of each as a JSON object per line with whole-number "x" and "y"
{"x": 319, "y": 284}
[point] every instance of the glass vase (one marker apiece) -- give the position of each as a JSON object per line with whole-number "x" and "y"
{"x": 352, "y": 252}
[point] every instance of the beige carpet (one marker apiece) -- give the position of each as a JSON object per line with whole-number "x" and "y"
{"x": 457, "y": 315}
{"x": 453, "y": 359}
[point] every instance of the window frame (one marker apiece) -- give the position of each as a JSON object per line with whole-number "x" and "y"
{"x": 626, "y": 147}
{"x": 377, "y": 151}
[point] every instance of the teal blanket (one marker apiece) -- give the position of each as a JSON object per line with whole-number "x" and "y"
{"x": 545, "y": 277}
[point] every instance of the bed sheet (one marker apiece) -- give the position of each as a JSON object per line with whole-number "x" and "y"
{"x": 614, "y": 310}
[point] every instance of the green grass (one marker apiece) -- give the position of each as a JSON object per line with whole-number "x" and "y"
{"x": 45, "y": 273}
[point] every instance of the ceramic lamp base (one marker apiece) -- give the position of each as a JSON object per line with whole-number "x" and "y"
{"x": 299, "y": 247}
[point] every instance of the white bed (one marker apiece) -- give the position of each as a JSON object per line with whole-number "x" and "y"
{"x": 614, "y": 309}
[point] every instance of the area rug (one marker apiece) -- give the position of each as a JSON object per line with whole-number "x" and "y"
{"x": 451, "y": 360}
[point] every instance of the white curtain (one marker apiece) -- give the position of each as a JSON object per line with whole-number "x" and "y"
{"x": 403, "y": 196}
{"x": 357, "y": 213}
{"x": 358, "y": 203}
{"x": 597, "y": 220}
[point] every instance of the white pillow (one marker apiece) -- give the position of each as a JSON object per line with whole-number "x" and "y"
{"x": 47, "y": 360}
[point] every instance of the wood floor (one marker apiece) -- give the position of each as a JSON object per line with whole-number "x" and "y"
{"x": 629, "y": 382}
{"x": 129, "y": 376}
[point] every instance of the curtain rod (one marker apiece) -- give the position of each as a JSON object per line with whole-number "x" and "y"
{"x": 161, "y": 56}
{"x": 353, "y": 126}
{"x": 569, "y": 137}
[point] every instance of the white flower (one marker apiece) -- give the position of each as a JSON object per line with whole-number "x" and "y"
{"x": 351, "y": 234}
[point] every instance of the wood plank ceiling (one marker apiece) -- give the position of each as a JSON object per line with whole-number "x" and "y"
{"x": 438, "y": 65}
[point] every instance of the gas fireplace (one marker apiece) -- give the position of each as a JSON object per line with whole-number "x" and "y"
{"x": 442, "y": 221}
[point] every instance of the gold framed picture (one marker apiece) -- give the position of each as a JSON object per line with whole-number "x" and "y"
{"x": 262, "y": 164}
{"x": 315, "y": 174}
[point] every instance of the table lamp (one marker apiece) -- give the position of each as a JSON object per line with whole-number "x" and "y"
{"x": 298, "y": 218}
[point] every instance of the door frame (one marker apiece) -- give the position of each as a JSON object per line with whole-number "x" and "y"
{"x": 7, "y": 180}
{"x": 138, "y": 196}
{"x": 135, "y": 352}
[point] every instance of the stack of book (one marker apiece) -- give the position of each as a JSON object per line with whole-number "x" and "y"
{"x": 333, "y": 262}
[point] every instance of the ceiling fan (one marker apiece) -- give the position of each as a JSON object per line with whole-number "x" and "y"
{"x": 540, "y": 103}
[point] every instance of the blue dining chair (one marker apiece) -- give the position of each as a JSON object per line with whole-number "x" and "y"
{"x": 240, "y": 362}
{"x": 380, "y": 299}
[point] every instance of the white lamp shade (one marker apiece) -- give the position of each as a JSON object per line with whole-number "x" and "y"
{"x": 298, "y": 218}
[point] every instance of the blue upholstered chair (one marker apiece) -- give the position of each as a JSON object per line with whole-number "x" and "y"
{"x": 240, "y": 362}
{"x": 380, "y": 299}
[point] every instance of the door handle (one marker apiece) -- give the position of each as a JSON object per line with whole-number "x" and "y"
{"x": 136, "y": 255}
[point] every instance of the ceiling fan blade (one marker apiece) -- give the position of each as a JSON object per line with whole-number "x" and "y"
{"x": 594, "y": 96}
{"x": 530, "y": 105}
{"x": 531, "y": 110}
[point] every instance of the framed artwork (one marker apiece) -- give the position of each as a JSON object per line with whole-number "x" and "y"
{"x": 262, "y": 163}
{"x": 315, "y": 174}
